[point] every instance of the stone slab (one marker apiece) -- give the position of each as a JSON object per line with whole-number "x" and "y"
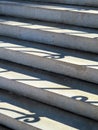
{"x": 49, "y": 33}
{"x": 26, "y": 114}
{"x": 73, "y": 63}
{"x": 57, "y": 90}
{"x": 74, "y": 2}
{"x": 74, "y": 15}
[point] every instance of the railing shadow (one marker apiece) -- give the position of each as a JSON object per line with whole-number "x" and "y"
{"x": 47, "y": 51}
{"x": 39, "y": 110}
{"x": 28, "y": 118}
{"x": 63, "y": 82}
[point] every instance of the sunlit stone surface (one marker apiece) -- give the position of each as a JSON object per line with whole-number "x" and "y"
{"x": 38, "y": 115}
{"x": 43, "y": 43}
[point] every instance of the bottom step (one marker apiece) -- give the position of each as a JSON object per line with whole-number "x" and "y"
{"x": 21, "y": 113}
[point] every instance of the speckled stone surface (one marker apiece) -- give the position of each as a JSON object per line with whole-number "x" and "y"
{"x": 21, "y": 114}
{"x": 74, "y": 15}
{"x": 63, "y": 61}
{"x": 60, "y": 91}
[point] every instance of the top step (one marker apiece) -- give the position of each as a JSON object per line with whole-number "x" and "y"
{"x": 72, "y": 2}
{"x": 59, "y": 13}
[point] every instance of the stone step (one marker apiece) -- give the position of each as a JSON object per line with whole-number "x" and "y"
{"x": 57, "y": 90}
{"x": 74, "y": 15}
{"x": 20, "y": 113}
{"x": 73, "y": 63}
{"x": 72, "y": 2}
{"x": 50, "y": 33}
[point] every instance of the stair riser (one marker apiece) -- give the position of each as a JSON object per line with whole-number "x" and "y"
{"x": 81, "y": 72}
{"x": 52, "y": 38}
{"x": 52, "y": 15}
{"x": 50, "y": 98}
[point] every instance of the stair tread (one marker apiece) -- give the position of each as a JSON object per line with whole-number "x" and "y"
{"x": 80, "y": 61}
{"x": 50, "y": 52}
{"x": 65, "y": 14}
{"x": 61, "y": 85}
{"x": 50, "y": 33}
{"x": 38, "y": 115}
{"x": 51, "y": 27}
{"x": 71, "y": 2}
{"x": 61, "y": 7}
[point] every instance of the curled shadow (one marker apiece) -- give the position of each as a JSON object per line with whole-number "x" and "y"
{"x": 84, "y": 99}
{"x": 28, "y": 118}
{"x": 80, "y": 98}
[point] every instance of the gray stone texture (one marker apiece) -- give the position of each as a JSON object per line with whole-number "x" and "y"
{"x": 43, "y": 43}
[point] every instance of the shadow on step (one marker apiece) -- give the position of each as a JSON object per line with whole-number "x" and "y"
{"x": 51, "y": 82}
{"x": 47, "y": 51}
{"x": 31, "y": 112}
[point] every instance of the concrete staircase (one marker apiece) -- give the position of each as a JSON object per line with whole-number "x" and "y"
{"x": 49, "y": 64}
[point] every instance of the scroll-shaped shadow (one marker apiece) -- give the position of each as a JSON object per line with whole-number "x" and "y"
{"x": 84, "y": 99}
{"x": 47, "y": 51}
{"x": 39, "y": 75}
{"x": 39, "y": 110}
{"x": 28, "y": 118}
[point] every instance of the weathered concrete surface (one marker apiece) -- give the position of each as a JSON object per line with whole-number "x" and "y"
{"x": 75, "y": 2}
{"x": 60, "y": 91}
{"x": 54, "y": 89}
{"x": 74, "y": 15}
{"x": 68, "y": 62}
{"x": 30, "y": 114}
{"x": 49, "y": 33}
